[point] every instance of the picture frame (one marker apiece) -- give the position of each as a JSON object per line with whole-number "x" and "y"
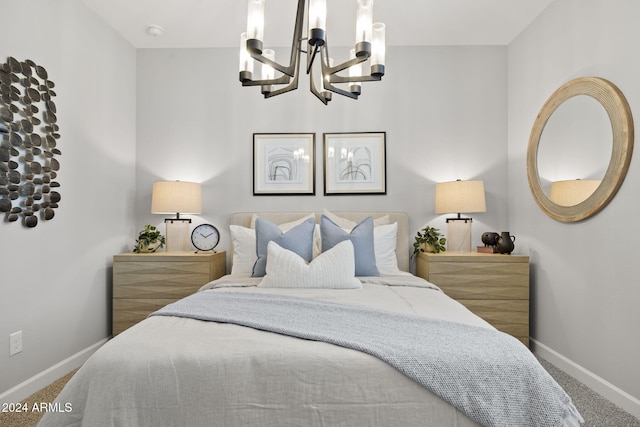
{"x": 284, "y": 164}
{"x": 355, "y": 163}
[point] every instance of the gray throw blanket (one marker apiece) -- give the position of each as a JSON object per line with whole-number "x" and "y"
{"x": 490, "y": 376}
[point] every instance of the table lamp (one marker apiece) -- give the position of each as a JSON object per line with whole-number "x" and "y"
{"x": 177, "y": 197}
{"x": 459, "y": 197}
{"x": 572, "y": 192}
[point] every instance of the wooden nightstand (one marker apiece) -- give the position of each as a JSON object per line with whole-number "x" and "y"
{"x": 143, "y": 283}
{"x": 493, "y": 286}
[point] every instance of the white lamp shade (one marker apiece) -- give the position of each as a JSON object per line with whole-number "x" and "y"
{"x": 460, "y": 197}
{"x": 572, "y": 192}
{"x": 176, "y": 197}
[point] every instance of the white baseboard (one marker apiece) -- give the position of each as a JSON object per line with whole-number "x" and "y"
{"x": 49, "y": 375}
{"x": 604, "y": 388}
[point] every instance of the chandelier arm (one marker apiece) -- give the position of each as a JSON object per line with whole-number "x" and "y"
{"x": 339, "y": 91}
{"x": 347, "y": 64}
{"x": 326, "y": 84}
{"x": 311, "y": 59}
{"x": 292, "y": 86}
{"x": 312, "y": 84}
{"x": 285, "y": 69}
{"x": 341, "y": 79}
{"x": 279, "y": 81}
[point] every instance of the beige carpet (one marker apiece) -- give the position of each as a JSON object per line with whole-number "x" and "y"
{"x": 30, "y": 418}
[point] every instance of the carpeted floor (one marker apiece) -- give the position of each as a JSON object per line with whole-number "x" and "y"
{"x": 30, "y": 418}
{"x": 597, "y": 411}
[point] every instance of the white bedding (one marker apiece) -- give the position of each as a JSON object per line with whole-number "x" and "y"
{"x": 168, "y": 371}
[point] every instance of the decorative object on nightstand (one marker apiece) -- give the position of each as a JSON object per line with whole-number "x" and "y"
{"x": 459, "y": 197}
{"x": 177, "y": 197}
{"x": 143, "y": 283}
{"x": 149, "y": 240}
{"x": 505, "y": 243}
{"x": 490, "y": 239}
{"x": 205, "y": 237}
{"x": 493, "y": 286}
{"x": 430, "y": 240}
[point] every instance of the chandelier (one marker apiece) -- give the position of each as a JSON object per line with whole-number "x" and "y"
{"x": 323, "y": 74}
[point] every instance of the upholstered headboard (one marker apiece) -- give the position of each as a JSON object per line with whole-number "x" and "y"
{"x": 402, "y": 244}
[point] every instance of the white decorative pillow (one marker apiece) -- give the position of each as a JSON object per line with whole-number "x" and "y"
{"x": 348, "y": 225}
{"x": 244, "y": 250}
{"x": 333, "y": 269}
{"x": 384, "y": 243}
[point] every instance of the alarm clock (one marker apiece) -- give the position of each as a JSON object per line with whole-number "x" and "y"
{"x": 205, "y": 237}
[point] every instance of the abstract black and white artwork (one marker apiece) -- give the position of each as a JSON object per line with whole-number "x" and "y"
{"x": 355, "y": 163}
{"x": 283, "y": 164}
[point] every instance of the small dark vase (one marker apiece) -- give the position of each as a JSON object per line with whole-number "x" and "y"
{"x": 504, "y": 243}
{"x": 490, "y": 238}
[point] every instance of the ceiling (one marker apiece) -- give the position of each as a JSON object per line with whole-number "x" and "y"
{"x": 218, "y": 23}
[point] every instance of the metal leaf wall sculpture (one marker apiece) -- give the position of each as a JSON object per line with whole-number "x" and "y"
{"x": 28, "y": 143}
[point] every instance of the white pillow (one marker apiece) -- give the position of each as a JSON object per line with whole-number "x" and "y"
{"x": 384, "y": 244}
{"x": 244, "y": 250}
{"x": 348, "y": 225}
{"x": 333, "y": 269}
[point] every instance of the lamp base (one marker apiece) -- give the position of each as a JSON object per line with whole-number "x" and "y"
{"x": 178, "y": 237}
{"x": 459, "y": 234}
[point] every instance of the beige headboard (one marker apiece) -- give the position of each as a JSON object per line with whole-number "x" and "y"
{"x": 403, "y": 248}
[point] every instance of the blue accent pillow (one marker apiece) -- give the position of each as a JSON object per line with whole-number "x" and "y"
{"x": 362, "y": 238}
{"x": 299, "y": 239}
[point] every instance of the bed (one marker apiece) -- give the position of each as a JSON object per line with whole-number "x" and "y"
{"x": 313, "y": 343}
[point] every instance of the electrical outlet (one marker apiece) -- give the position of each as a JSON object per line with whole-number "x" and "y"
{"x": 15, "y": 343}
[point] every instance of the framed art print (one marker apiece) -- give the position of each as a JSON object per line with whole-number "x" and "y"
{"x": 284, "y": 163}
{"x": 355, "y": 163}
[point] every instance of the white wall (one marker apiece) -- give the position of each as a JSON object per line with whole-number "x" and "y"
{"x": 56, "y": 278}
{"x": 443, "y": 108}
{"x": 585, "y": 291}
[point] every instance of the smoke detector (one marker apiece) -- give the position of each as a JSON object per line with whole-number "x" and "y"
{"x": 154, "y": 30}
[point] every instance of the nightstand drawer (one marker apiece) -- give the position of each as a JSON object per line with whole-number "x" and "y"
{"x": 505, "y": 275}
{"x": 158, "y": 286}
{"x": 509, "y": 316}
{"x": 468, "y": 288}
{"x": 132, "y": 311}
{"x": 161, "y": 268}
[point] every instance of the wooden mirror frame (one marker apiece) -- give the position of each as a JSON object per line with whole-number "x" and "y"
{"x": 617, "y": 108}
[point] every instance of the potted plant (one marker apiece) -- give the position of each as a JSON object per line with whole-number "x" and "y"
{"x": 430, "y": 240}
{"x": 149, "y": 240}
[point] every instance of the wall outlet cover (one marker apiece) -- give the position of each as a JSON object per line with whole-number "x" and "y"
{"x": 15, "y": 343}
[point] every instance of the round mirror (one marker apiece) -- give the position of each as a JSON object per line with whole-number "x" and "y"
{"x": 579, "y": 149}
{"x": 574, "y": 150}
